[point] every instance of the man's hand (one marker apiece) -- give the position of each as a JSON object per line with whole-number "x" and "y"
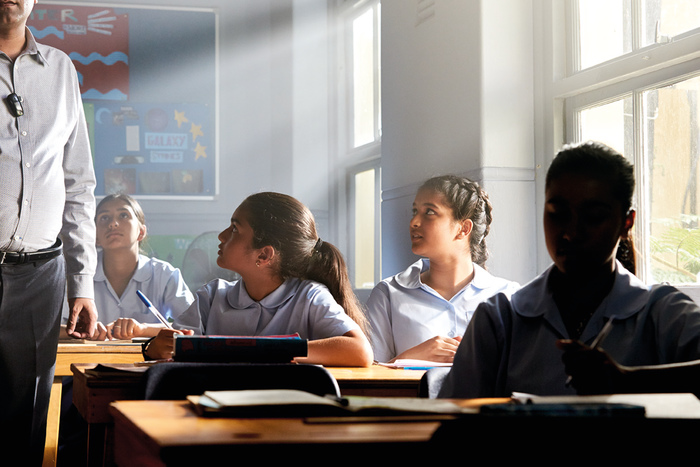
{"x": 82, "y": 318}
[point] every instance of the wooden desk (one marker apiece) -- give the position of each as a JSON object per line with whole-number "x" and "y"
{"x": 169, "y": 433}
{"x": 160, "y": 433}
{"x": 92, "y": 395}
{"x": 68, "y": 353}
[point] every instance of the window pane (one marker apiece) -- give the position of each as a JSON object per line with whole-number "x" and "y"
{"x": 605, "y": 30}
{"x": 364, "y": 229}
{"x": 673, "y": 17}
{"x": 671, "y": 151}
{"x": 363, "y": 78}
{"x": 610, "y": 123}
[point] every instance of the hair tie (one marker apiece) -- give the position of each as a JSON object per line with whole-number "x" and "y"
{"x": 318, "y": 244}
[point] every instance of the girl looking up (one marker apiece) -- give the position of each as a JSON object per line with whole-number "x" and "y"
{"x": 422, "y": 312}
{"x": 511, "y": 344}
{"x": 291, "y": 282}
{"x": 122, "y": 269}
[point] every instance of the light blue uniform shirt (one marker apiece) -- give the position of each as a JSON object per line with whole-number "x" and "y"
{"x": 159, "y": 281}
{"x": 296, "y": 306}
{"x": 403, "y": 312}
{"x": 510, "y": 345}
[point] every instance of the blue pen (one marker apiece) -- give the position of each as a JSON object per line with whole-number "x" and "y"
{"x": 153, "y": 309}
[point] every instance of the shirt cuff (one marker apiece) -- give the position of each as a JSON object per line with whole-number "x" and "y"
{"x": 80, "y": 286}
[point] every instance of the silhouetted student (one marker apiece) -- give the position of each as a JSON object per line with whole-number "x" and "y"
{"x": 291, "y": 282}
{"x": 510, "y": 345}
{"x": 422, "y": 312}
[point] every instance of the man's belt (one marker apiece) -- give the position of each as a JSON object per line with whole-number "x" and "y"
{"x": 21, "y": 257}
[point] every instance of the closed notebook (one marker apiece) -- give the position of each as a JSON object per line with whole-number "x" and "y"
{"x": 239, "y": 349}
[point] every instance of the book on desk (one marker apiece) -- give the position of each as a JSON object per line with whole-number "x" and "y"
{"x": 292, "y": 403}
{"x": 249, "y": 349}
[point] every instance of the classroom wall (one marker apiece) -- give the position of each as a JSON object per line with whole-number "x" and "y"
{"x": 457, "y": 98}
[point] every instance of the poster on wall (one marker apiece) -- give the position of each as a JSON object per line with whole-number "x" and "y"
{"x": 148, "y": 139}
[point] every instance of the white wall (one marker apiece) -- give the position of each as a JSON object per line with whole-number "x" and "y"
{"x": 457, "y": 98}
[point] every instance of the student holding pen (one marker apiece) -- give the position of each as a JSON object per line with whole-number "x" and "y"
{"x": 422, "y": 312}
{"x": 291, "y": 282}
{"x": 511, "y": 344}
{"x": 122, "y": 270}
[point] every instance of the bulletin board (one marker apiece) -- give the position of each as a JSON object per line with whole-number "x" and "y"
{"x": 149, "y": 82}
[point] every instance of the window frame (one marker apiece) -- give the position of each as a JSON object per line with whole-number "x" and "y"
{"x": 565, "y": 91}
{"x": 350, "y": 160}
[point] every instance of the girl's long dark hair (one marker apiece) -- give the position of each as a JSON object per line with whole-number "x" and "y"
{"x": 286, "y": 224}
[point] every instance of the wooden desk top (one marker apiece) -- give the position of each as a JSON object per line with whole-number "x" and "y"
{"x": 170, "y": 433}
{"x": 94, "y": 352}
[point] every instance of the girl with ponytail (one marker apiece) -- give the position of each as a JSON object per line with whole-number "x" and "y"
{"x": 291, "y": 282}
{"x": 422, "y": 312}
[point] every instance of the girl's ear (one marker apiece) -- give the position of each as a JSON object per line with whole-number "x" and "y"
{"x": 466, "y": 229}
{"x": 266, "y": 255}
{"x": 142, "y": 233}
{"x": 628, "y": 223}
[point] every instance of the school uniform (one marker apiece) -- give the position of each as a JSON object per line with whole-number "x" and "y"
{"x": 510, "y": 345}
{"x": 158, "y": 280}
{"x": 403, "y": 312}
{"x": 296, "y": 306}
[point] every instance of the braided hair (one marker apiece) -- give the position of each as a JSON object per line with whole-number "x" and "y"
{"x": 467, "y": 201}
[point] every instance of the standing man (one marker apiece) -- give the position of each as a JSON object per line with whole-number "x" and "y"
{"x": 46, "y": 208}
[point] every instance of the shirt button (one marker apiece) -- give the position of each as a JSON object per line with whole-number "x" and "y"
{"x": 28, "y": 164}
{"x": 24, "y": 133}
{"x": 26, "y": 201}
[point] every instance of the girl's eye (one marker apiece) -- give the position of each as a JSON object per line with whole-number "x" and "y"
{"x": 429, "y": 211}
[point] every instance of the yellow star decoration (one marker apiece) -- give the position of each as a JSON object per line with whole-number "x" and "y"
{"x": 196, "y": 130}
{"x": 180, "y": 118}
{"x": 199, "y": 151}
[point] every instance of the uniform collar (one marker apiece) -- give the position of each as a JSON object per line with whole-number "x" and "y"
{"x": 627, "y": 297}
{"x": 140, "y": 275}
{"x": 239, "y": 299}
{"x": 410, "y": 278}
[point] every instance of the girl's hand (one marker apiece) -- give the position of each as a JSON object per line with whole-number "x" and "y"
{"x": 126, "y": 328}
{"x": 437, "y": 349}
{"x": 163, "y": 345}
{"x": 591, "y": 371}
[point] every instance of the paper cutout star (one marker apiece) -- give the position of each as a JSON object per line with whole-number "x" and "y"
{"x": 180, "y": 118}
{"x": 196, "y": 130}
{"x": 199, "y": 151}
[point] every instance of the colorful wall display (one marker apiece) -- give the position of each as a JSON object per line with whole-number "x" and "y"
{"x": 151, "y": 113}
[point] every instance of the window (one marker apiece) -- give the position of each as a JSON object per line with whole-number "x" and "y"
{"x": 630, "y": 77}
{"x": 359, "y": 138}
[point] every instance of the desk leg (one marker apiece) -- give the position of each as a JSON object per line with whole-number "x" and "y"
{"x": 52, "y": 423}
{"x": 97, "y": 440}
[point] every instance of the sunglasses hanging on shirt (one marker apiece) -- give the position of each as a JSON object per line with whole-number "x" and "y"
{"x": 14, "y": 102}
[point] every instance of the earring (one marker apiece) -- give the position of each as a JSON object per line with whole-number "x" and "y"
{"x": 257, "y": 263}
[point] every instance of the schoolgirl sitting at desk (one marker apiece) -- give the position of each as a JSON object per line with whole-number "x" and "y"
{"x": 511, "y": 344}
{"x": 422, "y": 312}
{"x": 122, "y": 270}
{"x": 291, "y": 282}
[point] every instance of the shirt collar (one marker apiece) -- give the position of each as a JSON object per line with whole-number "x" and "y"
{"x": 239, "y": 299}
{"x": 32, "y": 48}
{"x": 140, "y": 275}
{"x": 627, "y": 297}
{"x": 410, "y": 278}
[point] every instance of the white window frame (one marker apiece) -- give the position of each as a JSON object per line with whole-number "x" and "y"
{"x": 564, "y": 91}
{"x": 349, "y": 160}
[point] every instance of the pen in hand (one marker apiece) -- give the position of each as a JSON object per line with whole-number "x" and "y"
{"x": 153, "y": 309}
{"x": 597, "y": 341}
